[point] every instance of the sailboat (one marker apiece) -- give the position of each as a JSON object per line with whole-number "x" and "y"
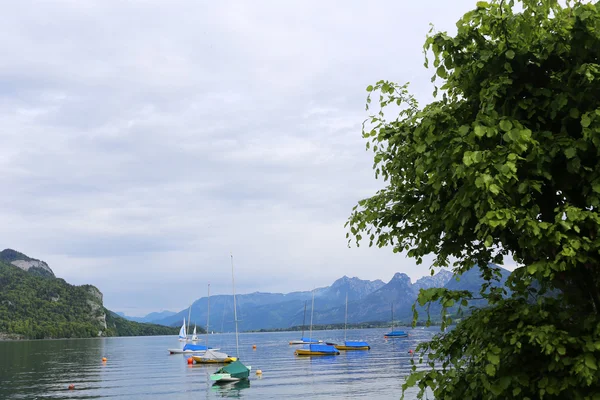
{"x": 351, "y": 344}
{"x": 194, "y": 337}
{"x": 211, "y": 356}
{"x": 317, "y": 349}
{"x": 393, "y": 333}
{"x": 304, "y": 340}
{"x": 182, "y": 332}
{"x": 236, "y": 371}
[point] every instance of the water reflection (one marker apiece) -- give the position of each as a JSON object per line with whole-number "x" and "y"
{"x": 230, "y": 389}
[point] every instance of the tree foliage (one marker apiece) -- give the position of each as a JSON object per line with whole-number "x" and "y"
{"x": 38, "y": 307}
{"x": 504, "y": 162}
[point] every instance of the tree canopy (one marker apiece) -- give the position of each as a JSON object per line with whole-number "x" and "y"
{"x": 504, "y": 162}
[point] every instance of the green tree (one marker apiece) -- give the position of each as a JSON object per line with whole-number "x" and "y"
{"x": 504, "y": 162}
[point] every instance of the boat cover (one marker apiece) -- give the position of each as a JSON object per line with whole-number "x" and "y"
{"x": 323, "y": 348}
{"x": 214, "y": 355}
{"x": 396, "y": 333}
{"x": 236, "y": 369}
{"x": 355, "y": 343}
{"x": 194, "y": 347}
{"x": 307, "y": 339}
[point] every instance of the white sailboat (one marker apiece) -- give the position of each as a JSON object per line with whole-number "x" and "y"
{"x": 194, "y": 336}
{"x": 182, "y": 332}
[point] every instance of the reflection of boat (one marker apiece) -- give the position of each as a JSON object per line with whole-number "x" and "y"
{"x": 213, "y": 357}
{"x": 351, "y": 344}
{"x": 191, "y": 349}
{"x": 235, "y": 371}
{"x": 230, "y": 389}
{"x": 393, "y": 333}
{"x": 316, "y": 349}
{"x": 305, "y": 340}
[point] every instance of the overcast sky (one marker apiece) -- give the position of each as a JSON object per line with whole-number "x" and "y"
{"x": 144, "y": 141}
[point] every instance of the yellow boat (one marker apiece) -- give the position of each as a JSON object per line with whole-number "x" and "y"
{"x": 353, "y": 346}
{"x": 214, "y": 357}
{"x": 317, "y": 350}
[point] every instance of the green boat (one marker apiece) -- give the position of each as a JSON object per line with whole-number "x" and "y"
{"x": 236, "y": 371}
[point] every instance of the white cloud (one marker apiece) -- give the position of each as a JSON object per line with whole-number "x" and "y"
{"x": 144, "y": 141}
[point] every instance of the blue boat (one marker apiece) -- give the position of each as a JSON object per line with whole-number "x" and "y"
{"x": 393, "y": 333}
{"x": 317, "y": 350}
{"x": 351, "y": 344}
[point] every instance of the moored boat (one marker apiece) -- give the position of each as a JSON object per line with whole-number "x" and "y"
{"x": 393, "y": 333}
{"x": 351, "y": 344}
{"x": 317, "y": 350}
{"x": 236, "y": 371}
{"x": 213, "y": 357}
{"x": 191, "y": 349}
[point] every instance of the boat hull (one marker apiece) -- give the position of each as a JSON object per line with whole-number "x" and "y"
{"x": 180, "y": 351}
{"x": 301, "y": 342}
{"x": 342, "y": 347}
{"x": 224, "y": 377}
{"x": 302, "y": 352}
{"x": 201, "y": 360}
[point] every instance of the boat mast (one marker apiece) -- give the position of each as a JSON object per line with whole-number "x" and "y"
{"x": 303, "y": 320}
{"x": 392, "y": 317}
{"x": 189, "y": 316}
{"x": 237, "y": 343}
{"x": 346, "y": 318}
{"x": 207, "y": 316}
{"x": 312, "y": 308}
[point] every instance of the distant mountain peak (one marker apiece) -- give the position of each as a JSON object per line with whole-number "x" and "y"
{"x": 434, "y": 281}
{"x": 401, "y": 276}
{"x": 20, "y": 260}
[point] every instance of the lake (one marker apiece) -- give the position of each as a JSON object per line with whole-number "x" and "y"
{"x": 141, "y": 368}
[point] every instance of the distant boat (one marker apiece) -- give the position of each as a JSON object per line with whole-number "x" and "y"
{"x": 182, "y": 332}
{"x": 351, "y": 344}
{"x": 236, "y": 371}
{"x": 393, "y": 333}
{"x": 305, "y": 340}
{"x": 316, "y": 349}
{"x": 194, "y": 337}
{"x": 191, "y": 349}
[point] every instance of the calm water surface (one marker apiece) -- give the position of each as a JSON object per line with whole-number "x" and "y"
{"x": 141, "y": 368}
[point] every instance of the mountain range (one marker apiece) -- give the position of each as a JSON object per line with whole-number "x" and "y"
{"x": 368, "y": 301}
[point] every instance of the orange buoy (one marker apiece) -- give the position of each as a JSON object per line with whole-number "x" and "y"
{"x": 254, "y": 346}
{"x": 190, "y": 360}
{"x": 71, "y": 386}
{"x": 258, "y": 372}
{"x": 104, "y": 359}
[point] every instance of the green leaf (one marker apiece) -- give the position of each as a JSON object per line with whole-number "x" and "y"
{"x": 510, "y": 54}
{"x": 506, "y": 125}
{"x": 480, "y": 130}
{"x": 493, "y": 358}
{"x": 585, "y": 121}
{"x": 495, "y": 189}
{"x": 590, "y": 361}
{"x": 570, "y": 152}
{"x": 490, "y": 370}
{"x": 370, "y": 88}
